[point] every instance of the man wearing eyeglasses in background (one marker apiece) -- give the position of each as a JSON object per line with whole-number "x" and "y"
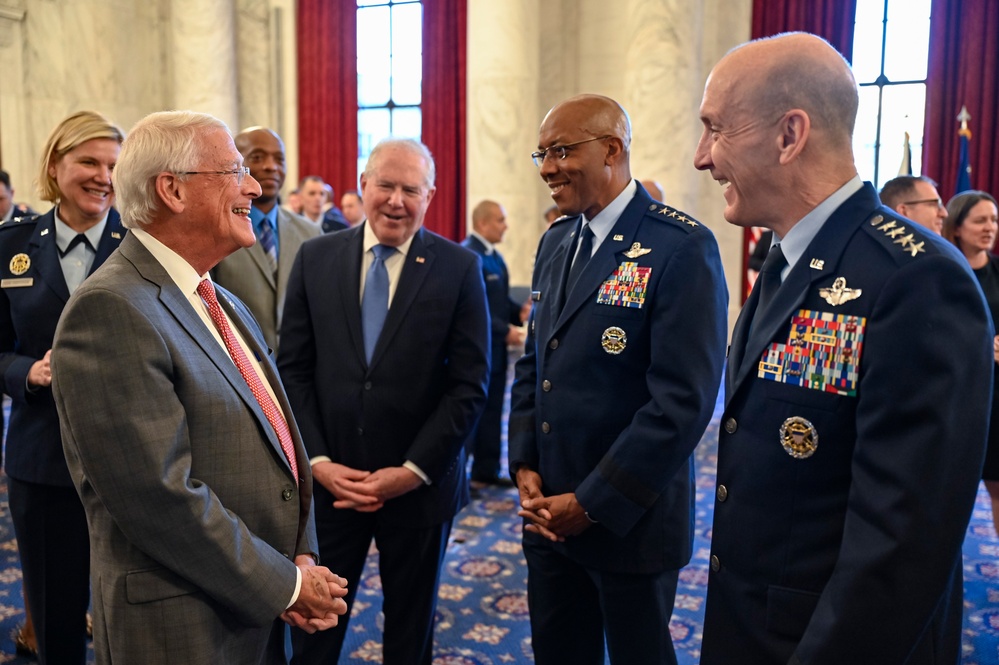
{"x": 618, "y": 381}
{"x": 258, "y": 275}
{"x": 178, "y": 434}
{"x": 915, "y": 197}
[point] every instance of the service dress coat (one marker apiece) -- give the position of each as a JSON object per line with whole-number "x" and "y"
{"x": 851, "y": 446}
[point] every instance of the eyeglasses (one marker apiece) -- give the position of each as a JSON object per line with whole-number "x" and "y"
{"x": 559, "y": 151}
{"x": 240, "y": 173}
{"x": 937, "y": 202}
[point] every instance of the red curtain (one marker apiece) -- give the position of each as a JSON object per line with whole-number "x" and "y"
{"x": 327, "y": 91}
{"x": 444, "y": 49}
{"x": 830, "y": 19}
{"x": 963, "y": 71}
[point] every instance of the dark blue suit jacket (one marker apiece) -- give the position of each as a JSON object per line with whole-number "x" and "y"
{"x": 426, "y": 385}
{"x": 853, "y": 554}
{"x": 503, "y": 310}
{"x": 28, "y": 316}
{"x": 619, "y": 429}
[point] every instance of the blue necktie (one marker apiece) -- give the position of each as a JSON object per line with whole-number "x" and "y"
{"x": 374, "y": 303}
{"x": 267, "y": 243}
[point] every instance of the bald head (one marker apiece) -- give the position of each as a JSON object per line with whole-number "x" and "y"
{"x": 586, "y": 142}
{"x": 489, "y": 221}
{"x": 263, "y": 151}
{"x": 795, "y": 70}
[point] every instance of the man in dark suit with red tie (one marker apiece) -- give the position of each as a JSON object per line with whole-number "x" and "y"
{"x": 385, "y": 356}
{"x": 488, "y": 227}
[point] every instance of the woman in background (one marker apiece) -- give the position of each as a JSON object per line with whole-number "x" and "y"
{"x": 43, "y": 259}
{"x": 972, "y": 224}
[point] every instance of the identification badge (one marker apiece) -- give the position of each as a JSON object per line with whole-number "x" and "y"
{"x": 17, "y": 282}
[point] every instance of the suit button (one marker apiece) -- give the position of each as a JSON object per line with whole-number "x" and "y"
{"x": 286, "y": 495}
{"x": 546, "y": 385}
{"x": 545, "y": 427}
{"x": 715, "y": 563}
{"x": 360, "y": 431}
{"x": 721, "y": 493}
{"x": 731, "y": 425}
{"x": 553, "y": 344}
{"x": 367, "y": 385}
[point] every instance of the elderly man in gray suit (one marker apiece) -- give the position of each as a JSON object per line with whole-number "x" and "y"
{"x": 258, "y": 275}
{"x": 177, "y": 431}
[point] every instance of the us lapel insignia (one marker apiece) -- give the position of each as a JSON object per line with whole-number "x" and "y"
{"x": 420, "y": 259}
{"x": 817, "y": 264}
{"x": 44, "y": 232}
{"x": 116, "y": 235}
{"x": 20, "y": 264}
{"x": 799, "y": 437}
{"x": 618, "y": 237}
{"x": 838, "y": 293}
{"x": 637, "y": 250}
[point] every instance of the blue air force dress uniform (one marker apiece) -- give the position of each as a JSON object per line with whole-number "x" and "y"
{"x": 613, "y": 394}
{"x": 49, "y": 519}
{"x": 851, "y": 446}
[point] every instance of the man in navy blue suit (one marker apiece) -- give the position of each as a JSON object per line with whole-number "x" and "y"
{"x": 385, "y": 357}
{"x": 857, "y": 394}
{"x": 488, "y": 227}
{"x": 622, "y": 367}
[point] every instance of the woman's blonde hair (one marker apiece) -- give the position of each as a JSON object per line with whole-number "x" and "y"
{"x": 78, "y": 128}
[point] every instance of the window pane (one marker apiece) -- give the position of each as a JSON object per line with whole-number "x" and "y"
{"x": 374, "y": 64}
{"x": 907, "y": 42}
{"x": 407, "y": 49}
{"x": 407, "y": 123}
{"x": 902, "y": 111}
{"x": 369, "y": 3}
{"x": 865, "y": 133}
{"x": 867, "y": 41}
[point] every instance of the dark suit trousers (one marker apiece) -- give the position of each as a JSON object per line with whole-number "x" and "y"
{"x": 574, "y": 608}
{"x": 54, "y": 546}
{"x": 486, "y": 441}
{"x": 409, "y": 565}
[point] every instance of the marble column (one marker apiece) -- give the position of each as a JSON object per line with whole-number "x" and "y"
{"x": 202, "y": 40}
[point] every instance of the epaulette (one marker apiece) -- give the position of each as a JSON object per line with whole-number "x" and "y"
{"x": 562, "y": 219}
{"x": 900, "y": 236}
{"x": 14, "y": 221}
{"x": 665, "y": 213}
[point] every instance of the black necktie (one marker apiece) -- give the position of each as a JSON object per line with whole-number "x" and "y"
{"x": 582, "y": 257}
{"x": 80, "y": 238}
{"x": 769, "y": 279}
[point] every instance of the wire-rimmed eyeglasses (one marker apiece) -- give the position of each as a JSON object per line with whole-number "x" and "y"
{"x": 240, "y": 173}
{"x": 560, "y": 151}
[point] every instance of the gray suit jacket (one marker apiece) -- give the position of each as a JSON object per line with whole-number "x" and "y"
{"x": 248, "y": 275}
{"x": 193, "y": 511}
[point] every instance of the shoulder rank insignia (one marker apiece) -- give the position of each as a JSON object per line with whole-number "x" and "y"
{"x": 838, "y": 293}
{"x": 637, "y": 250}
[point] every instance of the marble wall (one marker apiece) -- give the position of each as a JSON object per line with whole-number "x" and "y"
{"x": 236, "y": 59}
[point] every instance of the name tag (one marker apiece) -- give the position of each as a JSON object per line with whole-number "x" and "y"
{"x": 16, "y": 282}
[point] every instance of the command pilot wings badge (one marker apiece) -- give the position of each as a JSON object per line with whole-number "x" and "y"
{"x": 637, "y": 250}
{"x": 838, "y": 293}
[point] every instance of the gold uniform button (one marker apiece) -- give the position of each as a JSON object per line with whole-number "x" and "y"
{"x": 721, "y": 493}
{"x": 546, "y": 385}
{"x": 545, "y": 427}
{"x": 731, "y": 425}
{"x": 715, "y": 563}
{"x": 553, "y": 344}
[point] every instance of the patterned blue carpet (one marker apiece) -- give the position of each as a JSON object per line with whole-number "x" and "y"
{"x": 482, "y": 615}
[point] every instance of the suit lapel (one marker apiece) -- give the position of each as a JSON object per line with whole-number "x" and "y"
{"x": 346, "y": 264}
{"x": 826, "y": 249}
{"x": 419, "y": 263}
{"x": 180, "y": 308}
{"x": 45, "y": 256}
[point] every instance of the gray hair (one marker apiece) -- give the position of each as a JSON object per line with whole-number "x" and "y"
{"x": 166, "y": 141}
{"x": 411, "y": 145}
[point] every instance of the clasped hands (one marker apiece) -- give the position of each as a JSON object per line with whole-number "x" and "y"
{"x": 364, "y": 491}
{"x": 553, "y": 517}
{"x": 320, "y": 599}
